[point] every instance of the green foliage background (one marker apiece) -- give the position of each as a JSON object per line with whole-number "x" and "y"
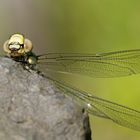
{"x": 85, "y": 27}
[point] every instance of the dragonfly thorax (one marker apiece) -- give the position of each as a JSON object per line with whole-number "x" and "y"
{"x": 32, "y": 60}
{"x": 17, "y": 46}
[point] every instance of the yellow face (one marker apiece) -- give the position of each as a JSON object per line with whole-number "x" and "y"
{"x": 16, "y": 43}
{"x": 17, "y": 46}
{"x": 16, "y": 38}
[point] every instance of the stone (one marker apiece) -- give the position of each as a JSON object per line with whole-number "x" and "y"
{"x": 32, "y": 108}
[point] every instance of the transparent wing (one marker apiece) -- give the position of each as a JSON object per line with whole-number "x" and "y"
{"x": 117, "y": 113}
{"x": 113, "y": 64}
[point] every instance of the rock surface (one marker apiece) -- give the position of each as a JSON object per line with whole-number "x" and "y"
{"x": 32, "y": 108}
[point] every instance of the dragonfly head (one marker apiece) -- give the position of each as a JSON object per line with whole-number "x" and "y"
{"x": 17, "y": 46}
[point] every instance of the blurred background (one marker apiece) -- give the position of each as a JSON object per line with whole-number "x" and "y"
{"x": 80, "y": 26}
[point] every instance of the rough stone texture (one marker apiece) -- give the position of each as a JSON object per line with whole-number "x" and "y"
{"x": 31, "y": 108}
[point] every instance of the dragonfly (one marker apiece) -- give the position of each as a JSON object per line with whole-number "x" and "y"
{"x": 101, "y": 65}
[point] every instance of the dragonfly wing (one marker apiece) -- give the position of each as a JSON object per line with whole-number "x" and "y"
{"x": 113, "y": 64}
{"x": 119, "y": 114}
